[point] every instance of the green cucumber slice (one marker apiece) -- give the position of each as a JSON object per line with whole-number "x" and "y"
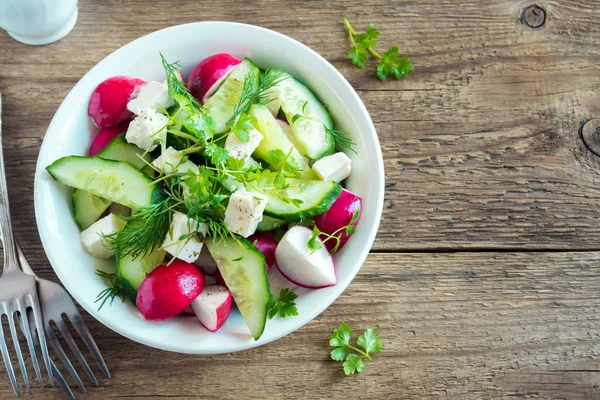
{"x": 312, "y": 139}
{"x": 117, "y": 181}
{"x": 244, "y": 272}
{"x": 296, "y": 98}
{"x": 316, "y": 197}
{"x": 221, "y": 104}
{"x": 132, "y": 272}
{"x": 88, "y": 208}
{"x": 275, "y": 139}
{"x": 269, "y": 224}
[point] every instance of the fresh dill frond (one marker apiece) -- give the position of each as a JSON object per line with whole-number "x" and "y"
{"x": 144, "y": 231}
{"x": 114, "y": 289}
{"x": 342, "y": 141}
{"x": 175, "y": 84}
{"x": 254, "y": 92}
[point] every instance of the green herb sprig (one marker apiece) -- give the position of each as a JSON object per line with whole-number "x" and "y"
{"x": 284, "y": 305}
{"x": 352, "y": 356}
{"x": 390, "y": 62}
{"x": 254, "y": 92}
{"x": 314, "y": 244}
{"x": 114, "y": 289}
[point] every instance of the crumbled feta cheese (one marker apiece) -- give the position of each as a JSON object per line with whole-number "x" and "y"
{"x": 153, "y": 95}
{"x": 147, "y": 129}
{"x": 186, "y": 249}
{"x": 91, "y": 238}
{"x": 335, "y": 167}
{"x": 243, "y": 150}
{"x": 244, "y": 212}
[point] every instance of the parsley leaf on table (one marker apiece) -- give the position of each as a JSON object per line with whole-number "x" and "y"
{"x": 362, "y": 44}
{"x": 353, "y": 356}
{"x": 284, "y": 305}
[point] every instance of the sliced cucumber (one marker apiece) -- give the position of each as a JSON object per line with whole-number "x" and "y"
{"x": 316, "y": 197}
{"x": 132, "y": 272}
{"x": 275, "y": 139}
{"x": 296, "y": 98}
{"x": 87, "y": 208}
{"x": 269, "y": 224}
{"x": 244, "y": 272}
{"x": 221, "y": 104}
{"x": 117, "y": 181}
{"x": 312, "y": 138}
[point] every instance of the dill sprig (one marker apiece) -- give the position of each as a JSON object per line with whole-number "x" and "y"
{"x": 254, "y": 92}
{"x": 175, "y": 84}
{"x": 114, "y": 289}
{"x": 144, "y": 231}
{"x": 342, "y": 141}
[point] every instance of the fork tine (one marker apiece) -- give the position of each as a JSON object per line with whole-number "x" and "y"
{"x": 64, "y": 330}
{"x": 33, "y": 302}
{"x": 85, "y": 334}
{"x": 64, "y": 359}
{"x": 15, "y": 337}
{"x": 25, "y": 329}
{"x": 61, "y": 381}
{"x": 5, "y": 356}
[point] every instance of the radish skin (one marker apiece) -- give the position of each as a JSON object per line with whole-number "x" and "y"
{"x": 108, "y": 102}
{"x": 104, "y": 137}
{"x": 339, "y": 215}
{"x": 313, "y": 269}
{"x": 212, "y": 307}
{"x": 207, "y": 76}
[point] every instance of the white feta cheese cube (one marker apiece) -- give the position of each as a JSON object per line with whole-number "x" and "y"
{"x": 186, "y": 249}
{"x": 244, "y": 212}
{"x": 147, "y": 129}
{"x": 91, "y": 238}
{"x": 243, "y": 150}
{"x": 153, "y": 95}
{"x": 335, "y": 167}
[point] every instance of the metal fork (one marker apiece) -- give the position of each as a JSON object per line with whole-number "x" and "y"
{"x": 18, "y": 293}
{"x": 56, "y": 302}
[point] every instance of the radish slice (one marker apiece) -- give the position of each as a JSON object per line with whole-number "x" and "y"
{"x": 105, "y": 136}
{"x": 212, "y": 307}
{"x": 300, "y": 265}
{"x": 265, "y": 243}
{"x": 339, "y": 215}
{"x": 108, "y": 102}
{"x": 208, "y": 75}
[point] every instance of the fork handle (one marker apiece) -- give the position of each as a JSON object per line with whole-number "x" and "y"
{"x": 10, "y": 255}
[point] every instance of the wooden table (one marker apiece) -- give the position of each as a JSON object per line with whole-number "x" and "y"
{"x": 483, "y": 281}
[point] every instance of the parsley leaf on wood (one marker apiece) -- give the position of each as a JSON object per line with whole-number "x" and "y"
{"x": 368, "y": 343}
{"x": 362, "y": 45}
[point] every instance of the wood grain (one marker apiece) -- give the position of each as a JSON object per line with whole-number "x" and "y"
{"x": 482, "y": 153}
{"x": 462, "y": 325}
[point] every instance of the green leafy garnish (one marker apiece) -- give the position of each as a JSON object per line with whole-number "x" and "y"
{"x": 342, "y": 141}
{"x": 144, "y": 231}
{"x": 390, "y": 63}
{"x": 177, "y": 88}
{"x": 353, "y": 356}
{"x": 314, "y": 244}
{"x": 218, "y": 155}
{"x": 254, "y": 92}
{"x": 242, "y": 127}
{"x": 114, "y": 289}
{"x": 284, "y": 305}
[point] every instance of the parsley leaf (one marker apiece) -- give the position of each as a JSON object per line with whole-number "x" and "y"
{"x": 274, "y": 157}
{"x": 242, "y": 127}
{"x": 353, "y": 356}
{"x": 218, "y": 155}
{"x": 361, "y": 46}
{"x": 392, "y": 64}
{"x": 313, "y": 243}
{"x": 284, "y": 305}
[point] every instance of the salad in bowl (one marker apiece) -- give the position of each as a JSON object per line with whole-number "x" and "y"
{"x": 196, "y": 187}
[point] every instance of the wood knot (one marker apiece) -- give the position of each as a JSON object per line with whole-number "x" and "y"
{"x": 533, "y": 16}
{"x": 590, "y": 134}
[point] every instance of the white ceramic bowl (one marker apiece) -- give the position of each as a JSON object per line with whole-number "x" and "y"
{"x": 70, "y": 133}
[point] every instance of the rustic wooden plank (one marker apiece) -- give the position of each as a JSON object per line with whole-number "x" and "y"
{"x": 459, "y": 325}
{"x": 481, "y": 145}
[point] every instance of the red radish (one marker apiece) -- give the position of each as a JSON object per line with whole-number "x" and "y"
{"x": 219, "y": 278}
{"x": 105, "y": 136}
{"x": 169, "y": 289}
{"x": 108, "y": 103}
{"x": 266, "y": 244}
{"x": 208, "y": 75}
{"x": 339, "y": 215}
{"x": 212, "y": 307}
{"x": 301, "y": 265}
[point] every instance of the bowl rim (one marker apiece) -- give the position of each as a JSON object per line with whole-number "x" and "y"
{"x": 308, "y": 316}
